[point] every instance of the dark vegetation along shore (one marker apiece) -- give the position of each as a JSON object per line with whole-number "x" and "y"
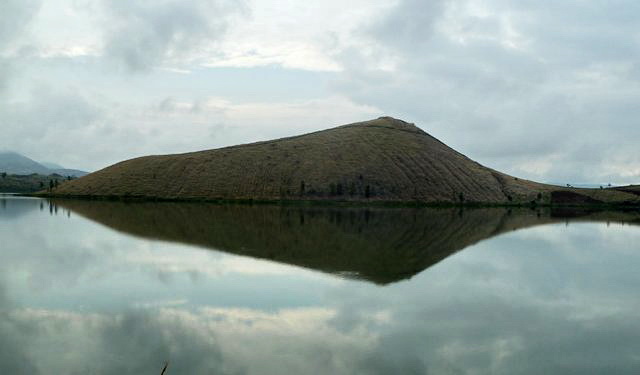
{"x": 377, "y": 244}
{"x": 14, "y": 183}
{"x": 377, "y": 161}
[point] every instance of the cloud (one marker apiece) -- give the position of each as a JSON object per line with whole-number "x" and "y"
{"x": 145, "y": 34}
{"x": 548, "y": 83}
{"x": 400, "y": 32}
{"x": 293, "y": 35}
{"x": 4, "y": 74}
{"x": 47, "y": 121}
{"x": 15, "y": 16}
{"x": 14, "y": 19}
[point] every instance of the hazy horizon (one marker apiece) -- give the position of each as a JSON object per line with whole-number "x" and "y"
{"x": 544, "y": 91}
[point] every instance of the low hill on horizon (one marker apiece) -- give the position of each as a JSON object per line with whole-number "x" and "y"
{"x": 382, "y": 160}
{"x": 14, "y": 163}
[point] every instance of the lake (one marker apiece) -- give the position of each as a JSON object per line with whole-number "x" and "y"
{"x": 92, "y": 287}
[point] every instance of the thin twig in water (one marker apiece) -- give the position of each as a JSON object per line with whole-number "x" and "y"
{"x": 166, "y": 364}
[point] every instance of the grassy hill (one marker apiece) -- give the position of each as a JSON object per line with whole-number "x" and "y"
{"x": 380, "y": 160}
{"x": 633, "y": 189}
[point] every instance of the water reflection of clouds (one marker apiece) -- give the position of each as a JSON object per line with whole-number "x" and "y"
{"x": 14, "y": 340}
{"x": 208, "y": 340}
{"x": 509, "y": 318}
{"x": 550, "y": 299}
{"x": 69, "y": 253}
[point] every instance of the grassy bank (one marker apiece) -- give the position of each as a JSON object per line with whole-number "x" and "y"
{"x": 544, "y": 202}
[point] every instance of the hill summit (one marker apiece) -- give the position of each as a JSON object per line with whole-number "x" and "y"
{"x": 385, "y": 159}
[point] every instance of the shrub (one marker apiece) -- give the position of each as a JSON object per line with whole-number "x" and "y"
{"x": 332, "y": 189}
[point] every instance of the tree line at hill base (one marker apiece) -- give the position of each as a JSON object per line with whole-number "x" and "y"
{"x": 11, "y": 183}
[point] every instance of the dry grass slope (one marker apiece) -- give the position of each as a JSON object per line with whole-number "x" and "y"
{"x": 633, "y": 189}
{"x": 380, "y": 160}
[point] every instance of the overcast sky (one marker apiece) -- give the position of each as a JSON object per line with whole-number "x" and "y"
{"x": 547, "y": 90}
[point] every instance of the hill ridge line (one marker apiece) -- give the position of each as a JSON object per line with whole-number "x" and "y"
{"x": 380, "y": 160}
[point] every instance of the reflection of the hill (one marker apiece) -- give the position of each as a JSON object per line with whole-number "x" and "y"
{"x": 382, "y": 245}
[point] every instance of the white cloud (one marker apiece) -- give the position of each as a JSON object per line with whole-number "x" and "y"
{"x": 144, "y": 34}
{"x": 46, "y": 123}
{"x": 14, "y": 18}
{"x": 293, "y": 34}
{"x": 65, "y": 28}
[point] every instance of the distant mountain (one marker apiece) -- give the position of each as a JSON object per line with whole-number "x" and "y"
{"x": 51, "y": 165}
{"x": 69, "y": 172}
{"x": 15, "y": 163}
{"x": 384, "y": 160}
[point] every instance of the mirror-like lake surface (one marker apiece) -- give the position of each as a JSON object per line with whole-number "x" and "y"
{"x": 116, "y": 288}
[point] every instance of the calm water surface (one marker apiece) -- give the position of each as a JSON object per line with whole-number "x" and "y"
{"x": 114, "y": 288}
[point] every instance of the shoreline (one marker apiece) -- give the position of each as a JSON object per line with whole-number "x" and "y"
{"x": 621, "y": 206}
